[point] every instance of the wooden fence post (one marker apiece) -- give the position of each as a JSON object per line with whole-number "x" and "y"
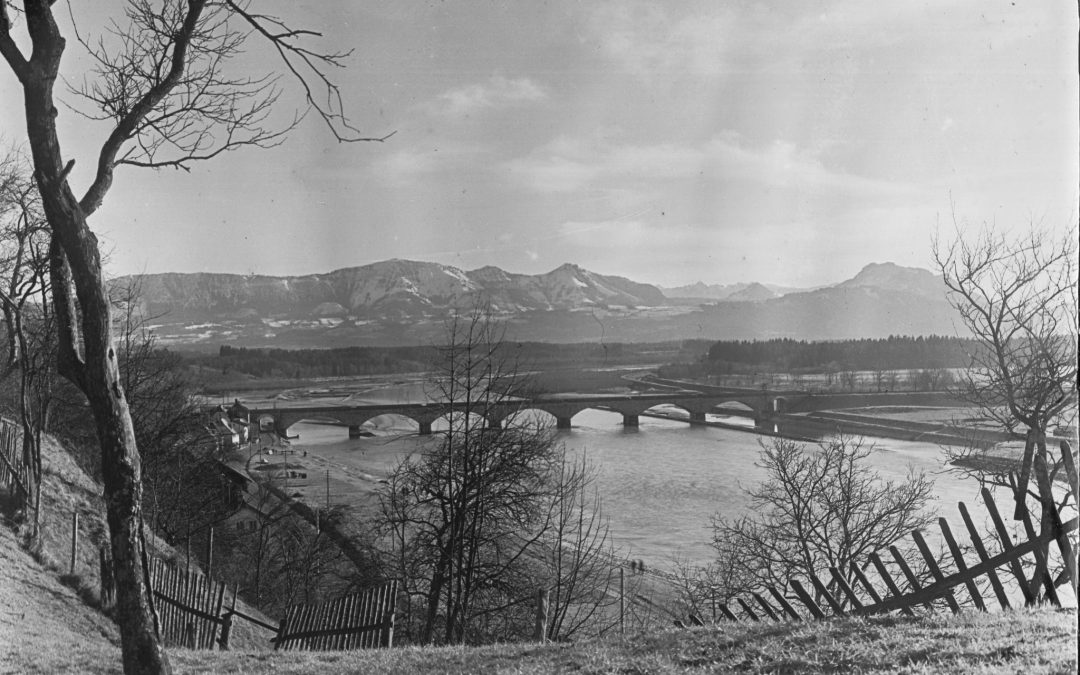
{"x": 622, "y": 602}
{"x": 210, "y": 554}
{"x": 282, "y": 626}
{"x": 74, "y": 539}
{"x": 108, "y": 579}
{"x": 540, "y": 633}
{"x": 226, "y": 630}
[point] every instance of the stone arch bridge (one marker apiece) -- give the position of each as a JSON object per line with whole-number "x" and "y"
{"x": 562, "y": 407}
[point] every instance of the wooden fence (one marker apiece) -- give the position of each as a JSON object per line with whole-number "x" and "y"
{"x": 357, "y": 621}
{"x": 188, "y": 606}
{"x": 855, "y": 594}
{"x": 13, "y": 470}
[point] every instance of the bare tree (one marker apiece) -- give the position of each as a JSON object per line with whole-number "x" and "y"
{"x": 27, "y": 319}
{"x": 1017, "y": 296}
{"x": 160, "y": 80}
{"x": 465, "y": 517}
{"x": 579, "y": 557}
{"x": 817, "y": 509}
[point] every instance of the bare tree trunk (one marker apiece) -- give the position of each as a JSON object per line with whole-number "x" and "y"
{"x": 86, "y": 357}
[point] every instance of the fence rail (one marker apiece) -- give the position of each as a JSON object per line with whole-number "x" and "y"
{"x": 188, "y": 606}
{"x": 14, "y": 474}
{"x": 359, "y": 621}
{"x": 854, "y": 594}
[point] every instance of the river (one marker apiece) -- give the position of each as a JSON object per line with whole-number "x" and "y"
{"x": 661, "y": 483}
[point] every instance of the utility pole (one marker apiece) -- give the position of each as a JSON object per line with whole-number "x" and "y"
{"x": 622, "y": 601}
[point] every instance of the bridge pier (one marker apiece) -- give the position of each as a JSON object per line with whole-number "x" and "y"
{"x": 493, "y": 424}
{"x": 354, "y": 431}
{"x": 629, "y": 420}
{"x": 425, "y": 428}
{"x": 562, "y": 422}
{"x": 697, "y": 418}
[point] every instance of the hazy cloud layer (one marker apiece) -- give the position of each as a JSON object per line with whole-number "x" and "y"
{"x": 784, "y": 142}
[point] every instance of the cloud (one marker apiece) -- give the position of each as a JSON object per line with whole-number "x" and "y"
{"x": 569, "y": 166}
{"x": 646, "y": 39}
{"x": 497, "y": 92}
{"x": 405, "y": 166}
{"x": 658, "y": 40}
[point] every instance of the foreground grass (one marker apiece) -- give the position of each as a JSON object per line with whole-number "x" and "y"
{"x": 1028, "y": 641}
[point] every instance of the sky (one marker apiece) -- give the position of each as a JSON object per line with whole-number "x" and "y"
{"x": 668, "y": 142}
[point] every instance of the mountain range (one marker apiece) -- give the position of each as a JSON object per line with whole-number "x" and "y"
{"x": 403, "y": 301}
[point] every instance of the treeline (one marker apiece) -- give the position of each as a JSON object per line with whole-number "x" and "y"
{"x": 352, "y": 361}
{"x": 891, "y": 353}
{"x": 298, "y": 363}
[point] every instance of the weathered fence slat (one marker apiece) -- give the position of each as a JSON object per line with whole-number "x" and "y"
{"x": 363, "y": 619}
{"x": 806, "y": 599}
{"x": 748, "y": 610}
{"x": 961, "y": 566}
{"x": 1006, "y": 543}
{"x": 377, "y": 617}
{"x": 909, "y": 575}
{"x": 928, "y": 557}
{"x": 391, "y": 611}
{"x": 824, "y": 593}
{"x": 937, "y": 588}
{"x": 352, "y": 604}
{"x": 980, "y": 549}
{"x": 766, "y": 607}
{"x": 889, "y": 582}
{"x": 943, "y": 586}
{"x": 14, "y": 473}
{"x": 867, "y": 586}
{"x": 188, "y": 606}
{"x": 843, "y": 585}
{"x": 1042, "y": 565}
{"x": 788, "y": 609}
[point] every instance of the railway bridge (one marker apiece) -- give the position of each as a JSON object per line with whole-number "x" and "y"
{"x": 563, "y": 407}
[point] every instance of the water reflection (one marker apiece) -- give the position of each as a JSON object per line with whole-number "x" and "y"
{"x": 661, "y": 482}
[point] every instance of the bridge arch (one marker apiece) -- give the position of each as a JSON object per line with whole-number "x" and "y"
{"x": 531, "y": 416}
{"x": 476, "y": 421}
{"x": 736, "y": 407}
{"x": 392, "y": 422}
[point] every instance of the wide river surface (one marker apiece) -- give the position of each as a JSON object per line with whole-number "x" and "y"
{"x": 661, "y": 483}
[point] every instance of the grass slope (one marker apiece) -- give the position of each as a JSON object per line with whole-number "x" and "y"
{"x": 1028, "y": 641}
{"x": 46, "y": 628}
{"x": 43, "y": 608}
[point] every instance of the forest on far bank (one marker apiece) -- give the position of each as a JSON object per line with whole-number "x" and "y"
{"x": 676, "y": 359}
{"x": 275, "y": 363}
{"x": 786, "y": 355}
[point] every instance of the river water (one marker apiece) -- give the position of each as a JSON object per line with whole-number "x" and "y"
{"x": 661, "y": 483}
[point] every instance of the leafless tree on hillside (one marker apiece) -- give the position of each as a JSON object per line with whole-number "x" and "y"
{"x": 1018, "y": 297}
{"x": 27, "y": 316}
{"x": 161, "y": 80}
{"x": 817, "y": 509}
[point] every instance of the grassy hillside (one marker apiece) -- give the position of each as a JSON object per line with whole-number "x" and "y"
{"x": 67, "y": 489}
{"x": 1037, "y": 641}
{"x": 46, "y": 627}
{"x": 1027, "y": 641}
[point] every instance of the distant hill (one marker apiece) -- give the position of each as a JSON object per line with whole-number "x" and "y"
{"x": 702, "y": 291}
{"x": 392, "y": 289}
{"x": 402, "y": 302}
{"x": 754, "y": 292}
{"x": 896, "y": 278}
